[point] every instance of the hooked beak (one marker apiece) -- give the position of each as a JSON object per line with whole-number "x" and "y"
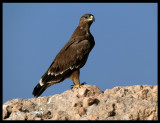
{"x": 91, "y": 18}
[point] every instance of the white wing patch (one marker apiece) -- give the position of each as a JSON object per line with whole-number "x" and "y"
{"x": 56, "y": 74}
{"x": 40, "y": 82}
{"x": 49, "y": 72}
{"x": 71, "y": 68}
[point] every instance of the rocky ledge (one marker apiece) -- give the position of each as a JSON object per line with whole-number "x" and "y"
{"x": 137, "y": 102}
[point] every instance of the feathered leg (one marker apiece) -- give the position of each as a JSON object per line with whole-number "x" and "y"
{"x": 75, "y": 78}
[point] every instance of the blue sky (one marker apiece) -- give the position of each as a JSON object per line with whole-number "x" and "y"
{"x": 125, "y": 52}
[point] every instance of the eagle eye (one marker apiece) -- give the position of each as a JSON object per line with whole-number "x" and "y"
{"x": 85, "y": 17}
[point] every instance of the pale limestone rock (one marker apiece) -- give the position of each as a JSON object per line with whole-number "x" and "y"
{"x": 137, "y": 102}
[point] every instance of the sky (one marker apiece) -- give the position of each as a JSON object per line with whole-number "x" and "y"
{"x": 125, "y": 51}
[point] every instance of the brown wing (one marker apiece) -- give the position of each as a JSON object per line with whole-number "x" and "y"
{"x": 72, "y": 57}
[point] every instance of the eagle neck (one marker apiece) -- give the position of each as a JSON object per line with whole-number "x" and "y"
{"x": 85, "y": 28}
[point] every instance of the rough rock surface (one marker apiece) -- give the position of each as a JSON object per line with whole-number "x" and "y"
{"x": 137, "y": 102}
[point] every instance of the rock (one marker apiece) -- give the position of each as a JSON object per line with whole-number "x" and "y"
{"x": 137, "y": 102}
{"x": 90, "y": 101}
{"x": 92, "y": 117}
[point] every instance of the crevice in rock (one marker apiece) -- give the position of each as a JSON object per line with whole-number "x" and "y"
{"x": 9, "y": 111}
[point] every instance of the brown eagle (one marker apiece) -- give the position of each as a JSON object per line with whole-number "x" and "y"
{"x": 71, "y": 57}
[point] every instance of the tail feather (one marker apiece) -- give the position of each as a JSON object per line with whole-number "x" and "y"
{"x": 38, "y": 90}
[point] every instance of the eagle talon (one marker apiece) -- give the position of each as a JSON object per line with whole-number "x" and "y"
{"x": 83, "y": 83}
{"x": 78, "y": 86}
{"x": 72, "y": 86}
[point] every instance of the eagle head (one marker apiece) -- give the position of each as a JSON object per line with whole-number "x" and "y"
{"x": 87, "y": 18}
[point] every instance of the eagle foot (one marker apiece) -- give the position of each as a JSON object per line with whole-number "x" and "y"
{"x": 78, "y": 86}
